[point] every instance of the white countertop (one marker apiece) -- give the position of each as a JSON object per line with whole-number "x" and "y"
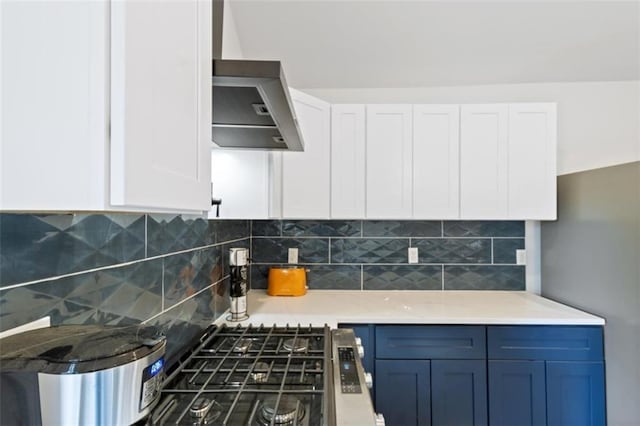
{"x": 331, "y": 307}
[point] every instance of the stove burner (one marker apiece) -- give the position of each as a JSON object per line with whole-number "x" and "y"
{"x": 296, "y": 345}
{"x": 288, "y": 408}
{"x": 242, "y": 346}
{"x": 205, "y": 411}
{"x": 260, "y": 372}
{"x": 200, "y": 407}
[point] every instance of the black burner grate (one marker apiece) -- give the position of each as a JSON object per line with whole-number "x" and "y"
{"x": 246, "y": 374}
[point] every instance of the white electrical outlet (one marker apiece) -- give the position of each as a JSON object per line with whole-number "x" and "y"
{"x": 413, "y": 254}
{"x": 521, "y": 257}
{"x": 293, "y": 255}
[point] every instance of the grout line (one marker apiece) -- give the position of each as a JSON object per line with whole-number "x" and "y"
{"x": 442, "y": 228}
{"x": 442, "y": 277}
{"x": 162, "y": 280}
{"x": 184, "y": 300}
{"x": 146, "y": 239}
{"x": 361, "y": 277}
{"x": 117, "y": 265}
{"x": 329, "y": 252}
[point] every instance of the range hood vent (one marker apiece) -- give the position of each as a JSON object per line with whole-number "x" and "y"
{"x": 252, "y": 107}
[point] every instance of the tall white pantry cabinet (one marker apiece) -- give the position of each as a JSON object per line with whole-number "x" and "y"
{"x": 106, "y": 105}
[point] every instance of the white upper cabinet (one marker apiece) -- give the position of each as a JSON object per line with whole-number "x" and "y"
{"x": 161, "y": 104}
{"x": 483, "y": 161}
{"x": 532, "y": 161}
{"x": 305, "y": 175}
{"x": 388, "y": 162}
{"x": 347, "y": 161}
{"x": 436, "y": 162}
{"x": 106, "y": 106}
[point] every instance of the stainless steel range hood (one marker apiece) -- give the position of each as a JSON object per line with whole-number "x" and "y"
{"x": 252, "y": 107}
{"x": 251, "y": 103}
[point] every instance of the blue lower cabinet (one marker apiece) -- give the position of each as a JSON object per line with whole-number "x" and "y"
{"x": 517, "y": 393}
{"x": 403, "y": 392}
{"x": 575, "y": 393}
{"x": 459, "y": 392}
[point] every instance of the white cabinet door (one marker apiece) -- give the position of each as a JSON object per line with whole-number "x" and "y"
{"x": 54, "y": 105}
{"x": 305, "y": 175}
{"x": 347, "y": 161}
{"x": 532, "y": 161}
{"x": 241, "y": 180}
{"x": 436, "y": 161}
{"x": 161, "y": 104}
{"x": 483, "y": 161}
{"x": 388, "y": 162}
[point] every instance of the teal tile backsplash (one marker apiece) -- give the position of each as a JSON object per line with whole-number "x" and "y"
{"x": 372, "y": 254}
{"x": 167, "y": 270}
{"x": 172, "y": 270}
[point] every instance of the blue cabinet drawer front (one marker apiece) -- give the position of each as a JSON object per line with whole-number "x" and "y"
{"x": 554, "y": 343}
{"x": 430, "y": 342}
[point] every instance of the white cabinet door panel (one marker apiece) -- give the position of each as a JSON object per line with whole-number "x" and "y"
{"x": 483, "y": 161}
{"x": 347, "y": 161}
{"x": 388, "y": 162}
{"x": 305, "y": 175}
{"x": 161, "y": 104}
{"x": 532, "y": 161}
{"x": 436, "y": 161}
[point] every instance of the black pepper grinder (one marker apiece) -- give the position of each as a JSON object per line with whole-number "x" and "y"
{"x": 238, "y": 261}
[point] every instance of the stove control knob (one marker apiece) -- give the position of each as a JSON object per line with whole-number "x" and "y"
{"x": 379, "y": 420}
{"x": 360, "y": 351}
{"x": 368, "y": 380}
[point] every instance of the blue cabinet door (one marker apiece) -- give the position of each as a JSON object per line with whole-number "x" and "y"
{"x": 575, "y": 393}
{"x": 402, "y": 392}
{"x": 459, "y": 392}
{"x": 517, "y": 393}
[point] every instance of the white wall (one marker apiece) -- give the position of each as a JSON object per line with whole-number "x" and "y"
{"x": 598, "y": 122}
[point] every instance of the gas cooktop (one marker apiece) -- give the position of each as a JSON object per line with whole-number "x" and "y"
{"x": 251, "y": 376}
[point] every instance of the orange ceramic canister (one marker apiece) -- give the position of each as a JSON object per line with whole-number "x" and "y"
{"x": 287, "y": 282}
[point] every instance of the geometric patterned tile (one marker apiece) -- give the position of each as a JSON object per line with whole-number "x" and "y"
{"x": 40, "y": 246}
{"x": 266, "y": 228}
{"x": 402, "y": 277}
{"x": 453, "y": 250}
{"x": 334, "y": 277}
{"x": 369, "y": 250}
{"x": 275, "y": 250}
{"x": 121, "y": 295}
{"x": 229, "y": 230}
{"x": 504, "y": 250}
{"x": 474, "y": 228}
{"x": 171, "y": 233}
{"x": 484, "y": 277}
{"x": 321, "y": 228}
{"x": 186, "y": 274}
{"x": 402, "y": 228}
{"x": 186, "y": 321}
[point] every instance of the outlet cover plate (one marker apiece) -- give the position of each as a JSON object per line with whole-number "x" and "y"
{"x": 293, "y": 255}
{"x": 413, "y": 254}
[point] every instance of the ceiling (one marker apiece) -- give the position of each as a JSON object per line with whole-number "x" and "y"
{"x": 361, "y": 44}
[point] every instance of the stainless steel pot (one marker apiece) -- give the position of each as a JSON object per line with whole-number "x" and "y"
{"x": 80, "y": 375}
